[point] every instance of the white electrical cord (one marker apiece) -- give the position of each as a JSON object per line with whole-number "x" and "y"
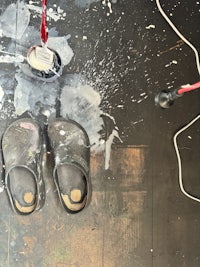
{"x": 179, "y": 158}
{"x": 179, "y": 34}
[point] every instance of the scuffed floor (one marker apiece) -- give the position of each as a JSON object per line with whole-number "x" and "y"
{"x": 117, "y": 55}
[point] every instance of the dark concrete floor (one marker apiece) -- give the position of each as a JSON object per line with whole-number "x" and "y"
{"x": 138, "y": 215}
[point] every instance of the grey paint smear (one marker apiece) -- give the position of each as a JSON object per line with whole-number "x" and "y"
{"x": 30, "y": 37}
{"x": 60, "y": 44}
{"x": 34, "y": 96}
{"x": 80, "y": 102}
{"x": 14, "y": 14}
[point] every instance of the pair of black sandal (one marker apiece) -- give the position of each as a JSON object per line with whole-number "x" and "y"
{"x": 24, "y": 155}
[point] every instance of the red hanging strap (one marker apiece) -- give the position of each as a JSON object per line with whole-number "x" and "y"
{"x": 43, "y": 26}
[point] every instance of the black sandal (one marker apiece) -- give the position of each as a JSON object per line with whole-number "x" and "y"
{"x": 71, "y": 150}
{"x": 23, "y": 151}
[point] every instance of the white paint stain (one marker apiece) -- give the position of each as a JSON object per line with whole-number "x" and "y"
{"x": 80, "y": 102}
{"x": 171, "y": 63}
{"x": 151, "y": 26}
{"x": 34, "y": 96}
{"x": 34, "y": 2}
{"x": 62, "y": 132}
{"x": 109, "y": 142}
{"x": 136, "y": 122}
{"x": 142, "y": 94}
{"x": 11, "y": 59}
{"x": 108, "y": 3}
{"x": 142, "y": 99}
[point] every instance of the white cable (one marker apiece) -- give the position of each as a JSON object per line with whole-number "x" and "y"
{"x": 179, "y": 158}
{"x": 179, "y": 34}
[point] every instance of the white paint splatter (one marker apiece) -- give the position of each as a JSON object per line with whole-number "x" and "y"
{"x": 108, "y": 3}
{"x": 34, "y": 2}
{"x": 110, "y": 6}
{"x": 172, "y": 62}
{"x": 11, "y": 59}
{"x": 151, "y": 26}
{"x": 56, "y": 15}
{"x": 142, "y": 94}
{"x": 142, "y": 99}
{"x": 14, "y": 20}
{"x": 62, "y": 132}
{"x": 136, "y": 122}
